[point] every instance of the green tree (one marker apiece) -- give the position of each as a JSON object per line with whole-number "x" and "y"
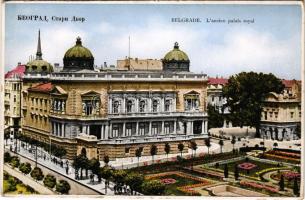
{"x": 25, "y": 168}
{"x": 138, "y": 154}
{"x": 194, "y": 147}
{"x": 233, "y": 141}
{"x": 216, "y": 118}
{"x": 208, "y": 144}
{"x": 226, "y": 171}
{"x": 94, "y": 166}
{"x": 15, "y": 161}
{"x": 119, "y": 175}
{"x": 63, "y": 187}
{"x": 245, "y": 93}
{"x": 282, "y": 183}
{"x": 167, "y": 149}
{"x": 106, "y": 160}
{"x": 37, "y": 174}
{"x": 153, "y": 187}
{"x": 49, "y": 181}
{"x": 275, "y": 145}
{"x": 236, "y": 172}
{"x": 296, "y": 187}
{"x": 134, "y": 180}
{"x": 181, "y": 147}
{"x": 153, "y": 151}
{"x": 106, "y": 173}
{"x": 7, "y": 157}
{"x": 221, "y": 145}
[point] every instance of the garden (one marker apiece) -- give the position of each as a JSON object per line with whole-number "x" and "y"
{"x": 12, "y": 185}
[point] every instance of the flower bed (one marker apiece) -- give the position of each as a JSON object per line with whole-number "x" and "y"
{"x": 283, "y": 158}
{"x": 286, "y": 154}
{"x": 168, "y": 181}
{"x": 258, "y": 186}
{"x": 247, "y": 166}
{"x": 175, "y": 186}
{"x": 291, "y": 175}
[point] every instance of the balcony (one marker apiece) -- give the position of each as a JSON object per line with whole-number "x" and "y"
{"x": 157, "y": 114}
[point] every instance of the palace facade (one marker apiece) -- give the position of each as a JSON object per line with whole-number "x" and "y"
{"x": 114, "y": 112}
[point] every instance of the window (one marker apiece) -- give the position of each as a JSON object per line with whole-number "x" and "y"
{"x": 291, "y": 114}
{"x": 271, "y": 113}
{"x": 266, "y": 115}
{"x": 212, "y": 98}
{"x": 155, "y": 105}
{"x": 115, "y": 106}
{"x": 127, "y": 149}
{"x": 192, "y": 104}
{"x": 167, "y": 105}
{"x": 156, "y": 128}
{"x": 142, "y": 105}
{"x": 59, "y": 105}
{"x": 129, "y": 106}
{"x": 15, "y": 98}
{"x": 275, "y": 115}
{"x": 87, "y": 107}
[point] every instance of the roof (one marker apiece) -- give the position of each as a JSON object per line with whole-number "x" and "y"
{"x": 17, "y": 72}
{"x": 44, "y": 87}
{"x": 218, "y": 81}
{"x": 176, "y": 54}
{"x": 289, "y": 83}
{"x": 78, "y": 51}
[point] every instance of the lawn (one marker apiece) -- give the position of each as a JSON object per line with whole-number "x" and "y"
{"x": 181, "y": 180}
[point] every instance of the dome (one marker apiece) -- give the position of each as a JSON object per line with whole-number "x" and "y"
{"x": 176, "y": 60}
{"x": 78, "y": 58}
{"x": 38, "y": 66}
{"x": 78, "y": 51}
{"x": 176, "y": 54}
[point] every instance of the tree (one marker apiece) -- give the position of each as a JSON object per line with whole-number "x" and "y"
{"x": 208, "y": 144}
{"x": 134, "y": 180}
{"x": 295, "y": 187}
{"x": 119, "y": 175}
{"x": 15, "y": 161}
{"x": 106, "y": 160}
{"x": 106, "y": 174}
{"x": 7, "y": 157}
{"x": 245, "y": 93}
{"x": 233, "y": 141}
{"x": 153, "y": 151}
{"x": 25, "y": 168}
{"x": 181, "y": 147}
{"x": 138, "y": 154}
{"x": 282, "y": 183}
{"x": 153, "y": 187}
{"x": 216, "y": 118}
{"x": 194, "y": 147}
{"x": 167, "y": 149}
{"x": 221, "y": 145}
{"x": 236, "y": 172}
{"x": 94, "y": 166}
{"x": 37, "y": 174}
{"x": 63, "y": 187}
{"x": 275, "y": 145}
{"x": 226, "y": 171}
{"x": 49, "y": 181}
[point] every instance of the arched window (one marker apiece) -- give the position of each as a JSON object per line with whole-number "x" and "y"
{"x": 142, "y": 105}
{"x": 116, "y": 106}
{"x": 167, "y": 105}
{"x": 129, "y": 106}
{"x": 155, "y": 105}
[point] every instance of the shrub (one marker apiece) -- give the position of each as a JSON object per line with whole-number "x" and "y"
{"x": 49, "y": 181}
{"x": 12, "y": 184}
{"x": 63, "y": 187}
{"x": 37, "y": 174}
{"x": 7, "y": 157}
{"x": 15, "y": 161}
{"x": 154, "y": 187}
{"x": 25, "y": 168}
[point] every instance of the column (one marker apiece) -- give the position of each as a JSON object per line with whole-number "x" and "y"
{"x": 106, "y": 131}
{"x": 162, "y": 128}
{"x": 149, "y": 130}
{"x": 189, "y": 126}
{"x": 62, "y": 130}
{"x": 110, "y": 106}
{"x": 192, "y": 126}
{"x": 57, "y": 129}
{"x": 102, "y": 132}
{"x": 175, "y": 127}
{"x": 137, "y": 129}
{"x": 110, "y": 131}
{"x": 203, "y": 127}
{"x": 84, "y": 129}
{"x": 53, "y": 128}
{"x": 206, "y": 126}
{"x": 123, "y": 110}
{"x": 124, "y": 129}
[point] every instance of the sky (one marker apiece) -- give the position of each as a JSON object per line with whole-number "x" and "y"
{"x": 271, "y": 44}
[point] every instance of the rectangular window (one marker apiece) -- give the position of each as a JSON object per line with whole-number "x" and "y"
{"x": 15, "y": 98}
{"x": 276, "y": 115}
{"x": 291, "y": 114}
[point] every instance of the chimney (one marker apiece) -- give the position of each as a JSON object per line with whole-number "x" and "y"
{"x": 105, "y": 64}
{"x": 19, "y": 63}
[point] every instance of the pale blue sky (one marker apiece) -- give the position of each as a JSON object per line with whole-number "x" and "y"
{"x": 271, "y": 44}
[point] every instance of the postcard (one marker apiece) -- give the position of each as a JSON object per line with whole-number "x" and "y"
{"x": 153, "y": 99}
